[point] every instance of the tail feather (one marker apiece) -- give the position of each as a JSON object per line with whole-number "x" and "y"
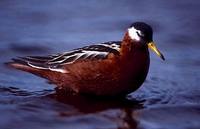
{"x": 24, "y": 65}
{"x": 19, "y": 61}
{"x": 53, "y": 75}
{"x": 34, "y": 65}
{"x": 28, "y": 62}
{"x": 37, "y": 59}
{"x": 21, "y": 65}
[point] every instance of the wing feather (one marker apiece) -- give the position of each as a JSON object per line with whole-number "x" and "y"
{"x": 55, "y": 62}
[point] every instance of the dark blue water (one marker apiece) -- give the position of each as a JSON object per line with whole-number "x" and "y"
{"x": 169, "y": 98}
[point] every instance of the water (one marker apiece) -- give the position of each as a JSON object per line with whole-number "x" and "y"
{"x": 169, "y": 98}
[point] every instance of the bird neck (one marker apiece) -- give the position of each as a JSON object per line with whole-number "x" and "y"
{"x": 129, "y": 46}
{"x": 134, "y": 60}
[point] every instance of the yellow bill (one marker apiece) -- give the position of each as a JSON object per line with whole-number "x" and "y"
{"x": 153, "y": 47}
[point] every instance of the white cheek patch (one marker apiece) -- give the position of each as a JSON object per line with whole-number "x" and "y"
{"x": 132, "y": 32}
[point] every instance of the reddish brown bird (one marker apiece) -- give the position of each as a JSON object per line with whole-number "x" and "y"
{"x": 106, "y": 69}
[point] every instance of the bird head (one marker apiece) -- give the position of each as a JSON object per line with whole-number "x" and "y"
{"x": 142, "y": 33}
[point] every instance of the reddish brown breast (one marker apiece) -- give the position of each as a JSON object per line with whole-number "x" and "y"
{"x": 120, "y": 74}
{"x": 134, "y": 62}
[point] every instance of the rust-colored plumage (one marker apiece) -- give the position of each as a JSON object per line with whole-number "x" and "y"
{"x": 108, "y": 69}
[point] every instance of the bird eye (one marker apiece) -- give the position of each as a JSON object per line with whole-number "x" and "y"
{"x": 140, "y": 34}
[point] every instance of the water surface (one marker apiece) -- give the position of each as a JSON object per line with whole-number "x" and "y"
{"x": 169, "y": 98}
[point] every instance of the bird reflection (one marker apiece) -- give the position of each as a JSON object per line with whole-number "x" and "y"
{"x": 123, "y": 110}
{"x": 128, "y": 120}
{"x": 91, "y": 104}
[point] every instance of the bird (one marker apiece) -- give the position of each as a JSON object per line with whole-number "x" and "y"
{"x": 113, "y": 68}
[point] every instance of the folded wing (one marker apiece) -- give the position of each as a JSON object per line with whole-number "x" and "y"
{"x": 56, "y": 62}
